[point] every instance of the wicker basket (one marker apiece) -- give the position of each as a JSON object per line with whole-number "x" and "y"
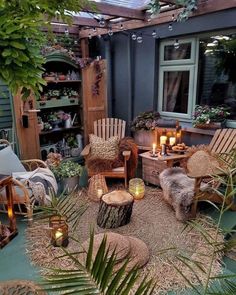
{"x": 97, "y": 187}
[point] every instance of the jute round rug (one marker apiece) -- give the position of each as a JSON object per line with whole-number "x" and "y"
{"x": 153, "y": 221}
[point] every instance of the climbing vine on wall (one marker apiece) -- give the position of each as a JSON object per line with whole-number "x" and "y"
{"x": 188, "y": 7}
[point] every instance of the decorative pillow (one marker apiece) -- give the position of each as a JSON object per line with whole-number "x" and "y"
{"x": 9, "y": 162}
{"x": 104, "y": 149}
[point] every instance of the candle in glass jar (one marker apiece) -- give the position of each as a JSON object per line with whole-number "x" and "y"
{"x": 154, "y": 148}
{"x": 58, "y": 237}
{"x": 172, "y": 140}
{"x": 163, "y": 139}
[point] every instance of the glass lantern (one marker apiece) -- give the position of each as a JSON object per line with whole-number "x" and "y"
{"x": 59, "y": 231}
{"x": 137, "y": 188}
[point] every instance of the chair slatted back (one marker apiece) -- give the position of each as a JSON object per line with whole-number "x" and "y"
{"x": 223, "y": 141}
{"x": 109, "y": 127}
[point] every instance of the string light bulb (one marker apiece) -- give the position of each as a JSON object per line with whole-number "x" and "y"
{"x": 121, "y": 27}
{"x": 102, "y": 23}
{"x": 110, "y": 32}
{"x": 170, "y": 27}
{"x": 140, "y": 39}
{"x": 89, "y": 36}
{"x": 154, "y": 34}
{"x": 176, "y": 44}
{"x": 94, "y": 30}
{"x": 66, "y": 32}
{"x": 133, "y": 36}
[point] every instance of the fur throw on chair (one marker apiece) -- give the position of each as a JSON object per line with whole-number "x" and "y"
{"x": 178, "y": 191}
{"x": 97, "y": 165}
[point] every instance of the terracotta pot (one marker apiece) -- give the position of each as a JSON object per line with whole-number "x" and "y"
{"x": 212, "y": 125}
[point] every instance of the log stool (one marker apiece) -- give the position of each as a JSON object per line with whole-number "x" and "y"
{"x": 115, "y": 209}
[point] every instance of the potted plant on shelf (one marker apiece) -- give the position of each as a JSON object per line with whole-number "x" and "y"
{"x": 144, "y": 126}
{"x": 68, "y": 174}
{"x": 208, "y": 117}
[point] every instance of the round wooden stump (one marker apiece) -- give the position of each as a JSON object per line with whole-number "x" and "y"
{"x": 115, "y": 209}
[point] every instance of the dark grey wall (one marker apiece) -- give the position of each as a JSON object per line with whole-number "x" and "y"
{"x": 133, "y": 78}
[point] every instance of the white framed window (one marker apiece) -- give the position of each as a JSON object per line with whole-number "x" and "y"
{"x": 177, "y": 78}
{"x": 184, "y": 54}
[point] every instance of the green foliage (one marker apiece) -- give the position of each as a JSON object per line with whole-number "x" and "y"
{"x": 226, "y": 62}
{"x": 188, "y": 7}
{"x": 64, "y": 206}
{"x": 222, "y": 284}
{"x": 97, "y": 276}
{"x": 67, "y": 169}
{"x": 21, "y": 38}
{"x": 145, "y": 121}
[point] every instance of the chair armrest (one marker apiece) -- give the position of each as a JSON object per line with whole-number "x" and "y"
{"x": 32, "y": 164}
{"x": 126, "y": 155}
{"x": 85, "y": 152}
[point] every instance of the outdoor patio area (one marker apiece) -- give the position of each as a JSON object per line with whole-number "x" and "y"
{"x": 117, "y": 147}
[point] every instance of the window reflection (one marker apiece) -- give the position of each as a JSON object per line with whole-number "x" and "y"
{"x": 176, "y": 91}
{"x": 183, "y": 52}
{"x": 217, "y": 72}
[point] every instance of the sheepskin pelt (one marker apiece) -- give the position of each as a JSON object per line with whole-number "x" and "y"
{"x": 178, "y": 191}
{"x": 97, "y": 165}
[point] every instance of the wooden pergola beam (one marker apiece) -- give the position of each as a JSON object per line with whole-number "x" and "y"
{"x": 165, "y": 17}
{"x": 115, "y": 10}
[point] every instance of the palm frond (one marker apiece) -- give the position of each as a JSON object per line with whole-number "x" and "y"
{"x": 97, "y": 276}
{"x": 64, "y": 205}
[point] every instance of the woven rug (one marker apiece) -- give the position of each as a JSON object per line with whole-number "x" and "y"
{"x": 154, "y": 222}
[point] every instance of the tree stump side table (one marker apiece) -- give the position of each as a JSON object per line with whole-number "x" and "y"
{"x": 115, "y": 209}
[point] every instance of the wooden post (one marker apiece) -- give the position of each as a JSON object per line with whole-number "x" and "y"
{"x": 84, "y": 47}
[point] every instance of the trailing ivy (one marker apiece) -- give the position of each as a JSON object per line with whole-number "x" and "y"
{"x": 188, "y": 7}
{"x": 21, "y": 38}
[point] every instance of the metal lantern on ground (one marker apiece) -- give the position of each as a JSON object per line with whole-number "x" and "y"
{"x": 59, "y": 231}
{"x": 137, "y": 188}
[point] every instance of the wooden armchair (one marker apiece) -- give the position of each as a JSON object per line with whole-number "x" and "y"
{"x": 106, "y": 128}
{"x": 223, "y": 141}
{"x": 21, "y": 196}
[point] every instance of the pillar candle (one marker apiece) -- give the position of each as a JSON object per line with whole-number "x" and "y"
{"x": 163, "y": 139}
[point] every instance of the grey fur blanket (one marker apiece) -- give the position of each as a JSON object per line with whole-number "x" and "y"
{"x": 178, "y": 191}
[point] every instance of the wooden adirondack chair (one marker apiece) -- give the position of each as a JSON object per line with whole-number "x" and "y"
{"x": 106, "y": 128}
{"x": 223, "y": 141}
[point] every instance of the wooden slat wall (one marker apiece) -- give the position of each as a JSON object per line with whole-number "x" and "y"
{"x": 5, "y": 107}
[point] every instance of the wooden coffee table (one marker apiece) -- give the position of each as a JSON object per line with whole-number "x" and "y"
{"x": 153, "y": 166}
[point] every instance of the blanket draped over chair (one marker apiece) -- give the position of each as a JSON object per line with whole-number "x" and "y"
{"x": 97, "y": 165}
{"x": 178, "y": 191}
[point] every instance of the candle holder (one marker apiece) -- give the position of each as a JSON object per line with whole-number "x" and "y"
{"x": 137, "y": 188}
{"x": 97, "y": 187}
{"x": 59, "y": 231}
{"x": 164, "y": 150}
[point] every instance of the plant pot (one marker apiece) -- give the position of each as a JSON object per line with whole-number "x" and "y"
{"x": 75, "y": 152}
{"x": 212, "y": 125}
{"x": 145, "y": 137}
{"x": 69, "y": 184}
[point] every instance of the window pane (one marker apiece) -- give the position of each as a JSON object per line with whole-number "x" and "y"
{"x": 182, "y": 52}
{"x": 176, "y": 91}
{"x": 217, "y": 72}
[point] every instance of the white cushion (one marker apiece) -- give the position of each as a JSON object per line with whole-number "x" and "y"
{"x": 9, "y": 162}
